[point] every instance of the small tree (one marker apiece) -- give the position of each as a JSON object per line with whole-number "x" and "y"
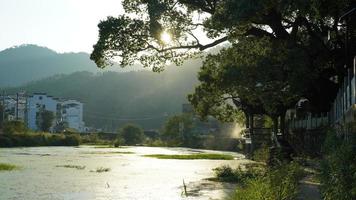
{"x": 132, "y": 134}
{"x": 177, "y": 129}
{"x": 44, "y": 119}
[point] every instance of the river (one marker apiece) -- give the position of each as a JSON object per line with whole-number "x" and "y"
{"x": 42, "y": 176}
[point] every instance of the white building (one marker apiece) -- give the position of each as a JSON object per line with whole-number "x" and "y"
{"x": 72, "y": 114}
{"x": 36, "y": 102}
{"x": 69, "y": 111}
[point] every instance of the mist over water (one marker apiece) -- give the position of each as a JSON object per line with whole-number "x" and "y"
{"x": 235, "y": 132}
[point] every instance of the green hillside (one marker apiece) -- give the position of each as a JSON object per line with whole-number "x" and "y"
{"x": 112, "y": 99}
{"x": 21, "y": 64}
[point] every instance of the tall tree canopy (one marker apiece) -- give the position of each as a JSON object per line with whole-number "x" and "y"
{"x": 302, "y": 44}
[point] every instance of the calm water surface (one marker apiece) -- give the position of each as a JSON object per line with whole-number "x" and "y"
{"x": 131, "y": 176}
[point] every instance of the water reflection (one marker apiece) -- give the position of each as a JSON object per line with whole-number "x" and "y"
{"x": 131, "y": 176}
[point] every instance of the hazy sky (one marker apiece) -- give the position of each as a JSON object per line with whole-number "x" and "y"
{"x": 61, "y": 25}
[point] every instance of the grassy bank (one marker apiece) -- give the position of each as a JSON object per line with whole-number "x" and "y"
{"x": 7, "y": 167}
{"x": 260, "y": 182}
{"x": 30, "y": 139}
{"x": 192, "y": 156}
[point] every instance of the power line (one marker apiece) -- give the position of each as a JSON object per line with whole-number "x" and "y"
{"x": 126, "y": 119}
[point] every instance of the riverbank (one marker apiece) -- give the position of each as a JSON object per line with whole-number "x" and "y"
{"x": 30, "y": 139}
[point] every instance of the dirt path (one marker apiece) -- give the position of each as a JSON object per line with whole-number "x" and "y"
{"x": 309, "y": 189}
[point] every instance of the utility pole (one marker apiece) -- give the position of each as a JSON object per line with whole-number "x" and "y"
{"x": 17, "y": 106}
{"x": 3, "y": 106}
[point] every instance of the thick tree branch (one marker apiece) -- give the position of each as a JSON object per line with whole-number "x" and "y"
{"x": 195, "y": 46}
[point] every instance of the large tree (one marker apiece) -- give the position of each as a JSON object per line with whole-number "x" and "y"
{"x": 132, "y": 134}
{"x": 157, "y": 32}
{"x": 254, "y": 77}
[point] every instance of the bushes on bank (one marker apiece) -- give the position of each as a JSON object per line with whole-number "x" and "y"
{"x": 278, "y": 183}
{"x": 39, "y": 139}
{"x": 338, "y": 168}
{"x": 227, "y": 174}
{"x": 14, "y": 127}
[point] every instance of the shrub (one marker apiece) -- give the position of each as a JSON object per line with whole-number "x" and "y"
{"x": 226, "y": 174}
{"x": 262, "y": 154}
{"x": 132, "y": 134}
{"x": 39, "y": 139}
{"x": 72, "y": 140}
{"x": 280, "y": 183}
{"x": 119, "y": 141}
{"x": 338, "y": 168}
{"x": 13, "y": 127}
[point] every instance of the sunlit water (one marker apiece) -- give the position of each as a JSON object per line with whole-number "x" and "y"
{"x": 131, "y": 176}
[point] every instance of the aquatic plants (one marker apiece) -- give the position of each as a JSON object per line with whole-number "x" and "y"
{"x": 101, "y": 169}
{"x": 208, "y": 156}
{"x": 79, "y": 167}
{"x": 7, "y": 167}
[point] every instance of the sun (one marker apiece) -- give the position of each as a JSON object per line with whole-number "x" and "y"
{"x": 166, "y": 38}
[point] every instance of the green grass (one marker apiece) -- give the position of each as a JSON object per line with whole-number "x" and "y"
{"x": 207, "y": 156}
{"x": 72, "y": 166}
{"x": 7, "y": 167}
{"x": 110, "y": 152}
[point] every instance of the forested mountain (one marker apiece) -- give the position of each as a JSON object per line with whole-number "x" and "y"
{"x": 21, "y": 64}
{"x": 112, "y": 99}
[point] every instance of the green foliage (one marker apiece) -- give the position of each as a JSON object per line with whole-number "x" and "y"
{"x": 273, "y": 44}
{"x": 38, "y": 139}
{"x": 132, "y": 134}
{"x": 226, "y": 174}
{"x": 177, "y": 129}
{"x": 279, "y": 183}
{"x": 7, "y": 167}
{"x": 14, "y": 127}
{"x": 262, "y": 154}
{"x": 72, "y": 140}
{"x": 119, "y": 141}
{"x": 193, "y": 156}
{"x": 338, "y": 168}
{"x": 44, "y": 119}
{"x": 156, "y": 143}
{"x": 239, "y": 74}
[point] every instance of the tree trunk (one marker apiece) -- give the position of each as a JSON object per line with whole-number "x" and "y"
{"x": 275, "y": 124}
{"x": 283, "y": 124}
{"x": 247, "y": 122}
{"x": 251, "y": 123}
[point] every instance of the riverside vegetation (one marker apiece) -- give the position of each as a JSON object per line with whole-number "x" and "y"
{"x": 16, "y": 135}
{"x": 7, "y": 167}
{"x": 258, "y": 181}
{"x": 338, "y": 167}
